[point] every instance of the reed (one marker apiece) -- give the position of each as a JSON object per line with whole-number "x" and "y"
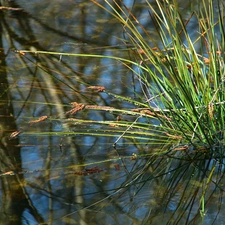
{"x": 182, "y": 81}
{"x": 182, "y": 77}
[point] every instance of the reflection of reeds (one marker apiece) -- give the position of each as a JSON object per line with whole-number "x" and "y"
{"x": 88, "y": 171}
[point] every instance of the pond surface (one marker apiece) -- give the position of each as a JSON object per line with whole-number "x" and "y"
{"x": 55, "y": 170}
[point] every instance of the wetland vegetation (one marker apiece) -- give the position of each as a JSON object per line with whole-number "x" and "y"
{"x": 119, "y": 118}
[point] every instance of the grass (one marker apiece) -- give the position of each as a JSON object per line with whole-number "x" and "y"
{"x": 185, "y": 86}
{"x": 181, "y": 111}
{"x": 188, "y": 85}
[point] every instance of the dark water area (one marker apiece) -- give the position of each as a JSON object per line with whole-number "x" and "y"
{"x": 53, "y": 169}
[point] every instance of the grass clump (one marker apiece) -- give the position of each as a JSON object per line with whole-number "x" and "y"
{"x": 181, "y": 77}
{"x": 182, "y": 82}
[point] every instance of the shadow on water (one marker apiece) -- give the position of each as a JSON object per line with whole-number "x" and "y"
{"x": 51, "y": 175}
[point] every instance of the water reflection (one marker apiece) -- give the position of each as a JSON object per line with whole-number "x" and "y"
{"x": 46, "y": 173}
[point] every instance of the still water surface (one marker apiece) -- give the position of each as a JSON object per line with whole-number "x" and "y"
{"x": 51, "y": 175}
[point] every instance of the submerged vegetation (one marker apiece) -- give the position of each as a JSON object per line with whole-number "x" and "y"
{"x": 179, "y": 112}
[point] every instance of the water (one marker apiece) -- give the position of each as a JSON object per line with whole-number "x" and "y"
{"x": 50, "y": 174}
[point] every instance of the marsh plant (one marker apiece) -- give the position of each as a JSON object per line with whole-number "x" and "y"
{"x": 179, "y": 113}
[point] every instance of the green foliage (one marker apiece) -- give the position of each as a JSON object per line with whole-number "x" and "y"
{"x": 182, "y": 79}
{"x": 186, "y": 83}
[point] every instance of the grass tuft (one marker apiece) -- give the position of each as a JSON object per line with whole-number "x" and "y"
{"x": 181, "y": 109}
{"x": 182, "y": 77}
